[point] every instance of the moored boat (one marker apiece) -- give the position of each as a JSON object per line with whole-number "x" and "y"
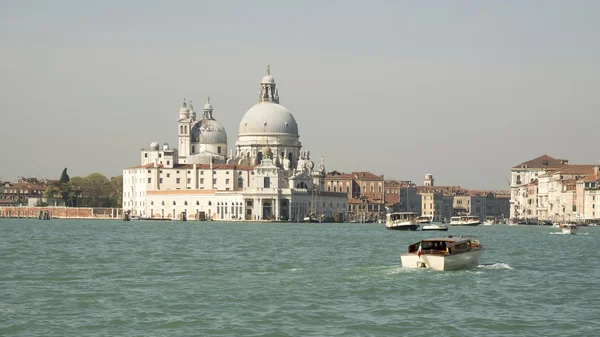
{"x": 465, "y": 220}
{"x": 434, "y": 227}
{"x": 449, "y": 253}
{"x": 403, "y": 221}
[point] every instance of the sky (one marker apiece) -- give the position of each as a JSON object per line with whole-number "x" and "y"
{"x": 463, "y": 90}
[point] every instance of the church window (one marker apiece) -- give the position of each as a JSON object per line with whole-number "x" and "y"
{"x": 168, "y": 162}
{"x": 219, "y": 149}
{"x": 267, "y": 182}
{"x": 372, "y": 188}
{"x": 149, "y": 180}
{"x": 145, "y": 154}
{"x": 185, "y": 202}
{"x": 214, "y": 181}
{"x": 174, "y": 203}
{"x": 210, "y": 203}
{"x": 201, "y": 173}
{"x": 160, "y": 155}
{"x": 328, "y": 188}
{"x": 227, "y": 181}
{"x": 163, "y": 202}
{"x": 168, "y": 175}
{"x": 347, "y": 188}
{"x": 259, "y": 158}
{"x": 189, "y": 180}
{"x": 178, "y": 180}
{"x": 160, "y": 180}
{"x": 201, "y": 180}
{"x": 151, "y": 203}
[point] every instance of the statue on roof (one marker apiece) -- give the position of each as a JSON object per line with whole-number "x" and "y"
{"x": 268, "y": 69}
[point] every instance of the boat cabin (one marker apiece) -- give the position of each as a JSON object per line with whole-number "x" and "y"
{"x": 447, "y": 246}
{"x": 402, "y": 216}
{"x": 464, "y": 218}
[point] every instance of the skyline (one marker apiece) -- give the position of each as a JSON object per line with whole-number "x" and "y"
{"x": 487, "y": 84}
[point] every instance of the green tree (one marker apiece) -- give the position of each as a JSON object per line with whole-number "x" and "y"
{"x": 116, "y": 191}
{"x": 96, "y": 188}
{"x": 64, "y": 177}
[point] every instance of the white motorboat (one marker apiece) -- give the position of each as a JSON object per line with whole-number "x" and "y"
{"x": 434, "y": 227}
{"x": 403, "y": 221}
{"x": 424, "y": 219}
{"x": 449, "y": 253}
{"x": 568, "y": 228}
{"x": 465, "y": 220}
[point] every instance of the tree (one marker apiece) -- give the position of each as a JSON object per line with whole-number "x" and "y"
{"x": 64, "y": 177}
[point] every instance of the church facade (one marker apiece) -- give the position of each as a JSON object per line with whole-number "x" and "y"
{"x": 267, "y": 177}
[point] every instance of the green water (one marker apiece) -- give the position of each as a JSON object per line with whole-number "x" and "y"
{"x": 104, "y": 278}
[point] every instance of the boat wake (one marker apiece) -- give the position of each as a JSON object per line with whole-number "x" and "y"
{"x": 495, "y": 266}
{"x": 561, "y": 233}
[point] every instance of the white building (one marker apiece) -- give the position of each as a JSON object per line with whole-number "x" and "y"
{"x": 270, "y": 177}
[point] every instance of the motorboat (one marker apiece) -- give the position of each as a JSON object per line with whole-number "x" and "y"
{"x": 568, "y": 228}
{"x": 311, "y": 218}
{"x": 450, "y": 253}
{"x": 403, "y": 221}
{"x": 465, "y": 220}
{"x": 489, "y": 221}
{"x": 434, "y": 227}
{"x": 424, "y": 219}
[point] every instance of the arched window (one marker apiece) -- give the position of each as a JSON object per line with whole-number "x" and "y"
{"x": 240, "y": 182}
{"x": 209, "y": 203}
{"x": 151, "y": 203}
{"x": 379, "y": 188}
{"x": 197, "y": 203}
{"x": 185, "y": 202}
{"x": 163, "y": 202}
{"x": 259, "y": 158}
{"x": 174, "y": 203}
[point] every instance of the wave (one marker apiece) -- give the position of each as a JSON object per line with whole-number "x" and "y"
{"x": 495, "y": 266}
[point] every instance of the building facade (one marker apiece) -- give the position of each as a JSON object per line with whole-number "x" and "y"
{"x": 268, "y": 178}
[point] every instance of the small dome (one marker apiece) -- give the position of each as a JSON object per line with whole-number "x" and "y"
{"x": 208, "y": 106}
{"x": 268, "y": 118}
{"x": 209, "y": 131}
{"x": 154, "y": 146}
{"x": 268, "y": 79}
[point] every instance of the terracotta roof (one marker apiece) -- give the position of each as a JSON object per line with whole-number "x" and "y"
{"x": 542, "y": 162}
{"x": 591, "y": 178}
{"x": 576, "y": 169}
{"x": 366, "y": 176}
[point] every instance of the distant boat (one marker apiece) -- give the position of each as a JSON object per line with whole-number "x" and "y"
{"x": 402, "y": 221}
{"x": 424, "y": 219}
{"x": 568, "y": 228}
{"x": 311, "y": 218}
{"x": 434, "y": 227}
{"x": 449, "y": 253}
{"x": 465, "y": 220}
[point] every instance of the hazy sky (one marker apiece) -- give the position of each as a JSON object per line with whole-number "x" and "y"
{"x": 460, "y": 89}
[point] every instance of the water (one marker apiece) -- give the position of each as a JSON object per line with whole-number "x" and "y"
{"x": 103, "y": 278}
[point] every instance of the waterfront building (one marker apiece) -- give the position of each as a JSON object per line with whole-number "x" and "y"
{"x": 365, "y": 193}
{"x": 432, "y": 204}
{"x": 21, "y": 193}
{"x": 588, "y": 189}
{"x": 552, "y": 189}
{"x": 524, "y": 174}
{"x": 268, "y": 177}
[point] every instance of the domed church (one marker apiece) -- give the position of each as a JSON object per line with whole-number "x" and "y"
{"x": 268, "y": 178}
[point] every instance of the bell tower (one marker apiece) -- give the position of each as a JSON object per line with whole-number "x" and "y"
{"x": 184, "y": 125}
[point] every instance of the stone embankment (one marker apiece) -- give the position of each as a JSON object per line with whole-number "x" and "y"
{"x": 62, "y": 212}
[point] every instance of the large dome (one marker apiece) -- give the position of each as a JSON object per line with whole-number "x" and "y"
{"x": 267, "y": 118}
{"x": 209, "y": 131}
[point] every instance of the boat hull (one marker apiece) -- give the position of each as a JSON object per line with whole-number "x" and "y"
{"x": 442, "y": 262}
{"x": 475, "y": 223}
{"x": 571, "y": 231}
{"x": 435, "y": 228}
{"x": 403, "y": 227}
